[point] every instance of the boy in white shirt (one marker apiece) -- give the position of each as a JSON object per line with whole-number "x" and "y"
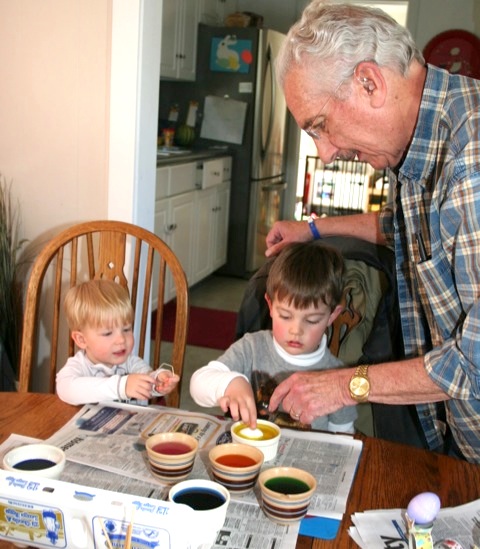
{"x": 304, "y": 290}
{"x": 100, "y": 318}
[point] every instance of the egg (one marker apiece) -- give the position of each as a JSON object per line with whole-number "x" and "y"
{"x": 424, "y": 507}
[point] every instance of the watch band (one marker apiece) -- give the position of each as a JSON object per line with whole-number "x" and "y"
{"x": 313, "y": 228}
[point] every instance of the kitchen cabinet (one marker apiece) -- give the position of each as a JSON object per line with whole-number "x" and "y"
{"x": 174, "y": 223}
{"x": 213, "y": 204}
{"x": 192, "y": 219}
{"x": 214, "y": 12}
{"x": 179, "y": 39}
{"x": 174, "y": 214}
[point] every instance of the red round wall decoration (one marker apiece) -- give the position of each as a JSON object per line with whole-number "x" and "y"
{"x": 457, "y": 51}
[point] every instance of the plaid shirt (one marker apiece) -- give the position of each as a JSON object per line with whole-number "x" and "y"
{"x": 434, "y": 226}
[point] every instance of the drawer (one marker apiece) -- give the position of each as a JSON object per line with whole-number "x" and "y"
{"x": 177, "y": 179}
{"x": 227, "y": 168}
{"x": 211, "y": 173}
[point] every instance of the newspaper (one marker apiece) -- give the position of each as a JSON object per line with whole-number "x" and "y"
{"x": 111, "y": 437}
{"x": 382, "y": 529}
{"x": 105, "y": 448}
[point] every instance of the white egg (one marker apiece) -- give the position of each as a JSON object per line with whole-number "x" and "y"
{"x": 424, "y": 507}
{"x": 251, "y": 433}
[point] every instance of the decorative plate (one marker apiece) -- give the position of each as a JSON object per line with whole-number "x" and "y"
{"x": 457, "y": 51}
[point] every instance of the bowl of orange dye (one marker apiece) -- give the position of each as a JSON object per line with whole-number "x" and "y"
{"x": 235, "y": 466}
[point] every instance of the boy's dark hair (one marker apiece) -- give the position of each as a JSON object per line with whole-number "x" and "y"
{"x": 306, "y": 274}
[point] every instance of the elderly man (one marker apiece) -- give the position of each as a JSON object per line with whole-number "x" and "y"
{"x": 357, "y": 84}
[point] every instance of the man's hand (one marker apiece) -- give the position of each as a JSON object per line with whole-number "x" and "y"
{"x": 308, "y": 395}
{"x": 239, "y": 399}
{"x": 284, "y": 232}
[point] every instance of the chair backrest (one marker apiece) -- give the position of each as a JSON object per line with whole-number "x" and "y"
{"x": 113, "y": 250}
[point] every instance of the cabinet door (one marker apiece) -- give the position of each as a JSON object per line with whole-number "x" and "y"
{"x": 187, "y": 49}
{"x": 204, "y": 228}
{"x": 171, "y": 14}
{"x": 162, "y": 208}
{"x": 182, "y": 211}
{"x": 220, "y": 234}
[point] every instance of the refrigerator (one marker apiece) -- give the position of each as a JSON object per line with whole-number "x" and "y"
{"x": 242, "y": 108}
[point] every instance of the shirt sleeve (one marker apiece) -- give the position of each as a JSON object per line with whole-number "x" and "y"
{"x": 76, "y": 384}
{"x": 208, "y": 384}
{"x": 451, "y": 278}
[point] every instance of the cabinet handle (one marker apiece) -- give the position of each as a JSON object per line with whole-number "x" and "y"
{"x": 216, "y": 173}
{"x": 170, "y": 228}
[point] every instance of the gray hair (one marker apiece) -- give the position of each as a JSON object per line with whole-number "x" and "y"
{"x": 332, "y": 39}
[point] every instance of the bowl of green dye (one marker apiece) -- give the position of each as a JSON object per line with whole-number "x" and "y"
{"x": 286, "y": 493}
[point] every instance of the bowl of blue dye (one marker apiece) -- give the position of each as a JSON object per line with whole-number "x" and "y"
{"x": 43, "y": 460}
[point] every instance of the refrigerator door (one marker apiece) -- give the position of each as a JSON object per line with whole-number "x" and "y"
{"x": 270, "y": 114}
{"x": 266, "y": 207}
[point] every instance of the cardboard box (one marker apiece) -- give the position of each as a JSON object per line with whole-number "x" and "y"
{"x": 39, "y": 512}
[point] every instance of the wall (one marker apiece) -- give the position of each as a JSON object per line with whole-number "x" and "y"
{"x": 53, "y": 97}
{"x": 79, "y": 101}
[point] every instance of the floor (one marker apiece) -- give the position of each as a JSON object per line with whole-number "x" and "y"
{"x": 226, "y": 293}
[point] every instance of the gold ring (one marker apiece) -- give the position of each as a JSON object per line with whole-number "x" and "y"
{"x": 294, "y": 414}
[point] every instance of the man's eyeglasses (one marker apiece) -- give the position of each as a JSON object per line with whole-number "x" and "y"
{"x": 315, "y": 129}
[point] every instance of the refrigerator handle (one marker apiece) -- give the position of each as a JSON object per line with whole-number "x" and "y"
{"x": 269, "y": 73}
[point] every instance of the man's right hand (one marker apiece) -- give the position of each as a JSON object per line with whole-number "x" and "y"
{"x": 284, "y": 232}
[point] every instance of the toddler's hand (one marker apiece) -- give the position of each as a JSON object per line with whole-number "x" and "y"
{"x": 240, "y": 400}
{"x": 165, "y": 382}
{"x": 139, "y": 386}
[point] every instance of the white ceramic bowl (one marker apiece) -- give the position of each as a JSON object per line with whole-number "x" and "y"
{"x": 210, "y": 501}
{"x": 267, "y": 442}
{"x": 43, "y": 460}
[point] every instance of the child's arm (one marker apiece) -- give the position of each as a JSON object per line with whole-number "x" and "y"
{"x": 78, "y": 382}
{"x": 240, "y": 400}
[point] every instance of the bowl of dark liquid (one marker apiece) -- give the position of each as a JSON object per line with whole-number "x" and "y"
{"x": 209, "y": 500}
{"x": 40, "y": 459}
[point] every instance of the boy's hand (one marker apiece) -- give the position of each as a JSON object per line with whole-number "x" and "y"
{"x": 139, "y": 386}
{"x": 239, "y": 399}
{"x": 165, "y": 382}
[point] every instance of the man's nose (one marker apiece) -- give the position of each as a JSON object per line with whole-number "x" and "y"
{"x": 326, "y": 151}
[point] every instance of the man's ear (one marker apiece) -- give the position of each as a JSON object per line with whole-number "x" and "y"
{"x": 370, "y": 77}
{"x": 338, "y": 309}
{"x": 79, "y": 339}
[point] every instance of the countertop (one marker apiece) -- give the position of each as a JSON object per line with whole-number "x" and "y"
{"x": 178, "y": 155}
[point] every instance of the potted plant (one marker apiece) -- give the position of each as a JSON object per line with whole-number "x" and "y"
{"x": 10, "y": 289}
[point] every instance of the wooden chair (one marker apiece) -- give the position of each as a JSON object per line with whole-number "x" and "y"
{"x": 113, "y": 250}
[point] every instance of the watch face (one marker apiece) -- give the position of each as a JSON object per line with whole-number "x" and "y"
{"x": 359, "y": 386}
{"x": 456, "y": 51}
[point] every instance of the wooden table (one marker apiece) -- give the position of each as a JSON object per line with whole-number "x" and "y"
{"x": 388, "y": 475}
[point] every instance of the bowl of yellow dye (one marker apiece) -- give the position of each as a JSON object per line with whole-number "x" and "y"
{"x": 265, "y": 437}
